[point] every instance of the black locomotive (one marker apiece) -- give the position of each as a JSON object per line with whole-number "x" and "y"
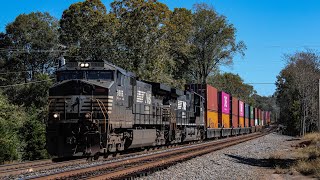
{"x": 96, "y": 107}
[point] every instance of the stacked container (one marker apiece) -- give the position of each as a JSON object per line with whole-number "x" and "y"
{"x": 269, "y": 117}
{"x": 212, "y": 107}
{"x": 251, "y": 116}
{"x": 256, "y": 117}
{"x": 259, "y": 117}
{"x": 224, "y": 110}
{"x": 235, "y": 113}
{"x": 241, "y": 114}
{"x": 246, "y": 115}
{"x": 266, "y": 117}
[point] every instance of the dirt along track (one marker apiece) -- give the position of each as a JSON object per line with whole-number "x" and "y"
{"x": 133, "y": 166}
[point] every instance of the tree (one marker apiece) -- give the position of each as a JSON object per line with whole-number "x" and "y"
{"x": 11, "y": 120}
{"x": 214, "y": 42}
{"x": 29, "y": 45}
{"x": 142, "y": 39}
{"x": 32, "y": 135}
{"x": 34, "y": 94}
{"x": 88, "y": 31}
{"x": 179, "y": 31}
{"x": 234, "y": 85}
{"x": 297, "y": 91}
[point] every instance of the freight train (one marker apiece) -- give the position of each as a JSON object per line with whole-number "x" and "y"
{"x": 97, "y": 107}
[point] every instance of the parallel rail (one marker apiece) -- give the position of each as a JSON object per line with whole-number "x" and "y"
{"x": 28, "y": 167}
{"x": 128, "y": 167}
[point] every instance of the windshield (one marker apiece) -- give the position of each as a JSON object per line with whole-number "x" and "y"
{"x": 103, "y": 75}
{"x": 65, "y": 75}
{"x": 96, "y": 75}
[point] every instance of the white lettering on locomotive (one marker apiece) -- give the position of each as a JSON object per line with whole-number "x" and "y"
{"x": 148, "y": 98}
{"x": 182, "y": 105}
{"x": 140, "y": 96}
{"x": 120, "y": 95}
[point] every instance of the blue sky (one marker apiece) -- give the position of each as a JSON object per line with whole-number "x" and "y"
{"x": 270, "y": 29}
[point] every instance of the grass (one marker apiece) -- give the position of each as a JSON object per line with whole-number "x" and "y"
{"x": 308, "y": 157}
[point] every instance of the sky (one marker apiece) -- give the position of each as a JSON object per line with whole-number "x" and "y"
{"x": 269, "y": 28}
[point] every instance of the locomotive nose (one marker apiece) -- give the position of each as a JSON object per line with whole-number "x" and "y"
{"x": 77, "y": 108}
{"x": 79, "y": 99}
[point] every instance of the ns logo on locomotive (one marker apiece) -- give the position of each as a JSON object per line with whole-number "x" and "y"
{"x": 96, "y": 107}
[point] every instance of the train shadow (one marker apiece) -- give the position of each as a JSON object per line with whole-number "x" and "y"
{"x": 267, "y": 163}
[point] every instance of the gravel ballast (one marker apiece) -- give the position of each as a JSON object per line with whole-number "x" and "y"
{"x": 247, "y": 160}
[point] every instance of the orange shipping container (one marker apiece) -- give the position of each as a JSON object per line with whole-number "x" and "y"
{"x": 241, "y": 121}
{"x": 225, "y": 120}
{"x": 235, "y": 110}
{"x": 212, "y": 119}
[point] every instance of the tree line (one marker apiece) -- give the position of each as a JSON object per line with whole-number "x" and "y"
{"x": 298, "y": 92}
{"x": 175, "y": 47}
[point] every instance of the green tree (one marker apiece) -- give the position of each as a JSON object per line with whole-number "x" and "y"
{"x": 179, "y": 31}
{"x": 142, "y": 39}
{"x": 297, "y": 92}
{"x": 33, "y": 94}
{"x": 29, "y": 43}
{"x": 33, "y": 137}
{"x": 88, "y": 31}
{"x": 234, "y": 85}
{"x": 11, "y": 120}
{"x": 214, "y": 42}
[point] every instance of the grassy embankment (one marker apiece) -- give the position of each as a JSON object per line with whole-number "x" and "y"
{"x": 305, "y": 158}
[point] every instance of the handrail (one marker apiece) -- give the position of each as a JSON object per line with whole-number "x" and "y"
{"x": 105, "y": 118}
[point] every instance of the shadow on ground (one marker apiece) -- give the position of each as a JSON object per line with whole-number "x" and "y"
{"x": 294, "y": 139}
{"x": 271, "y": 162}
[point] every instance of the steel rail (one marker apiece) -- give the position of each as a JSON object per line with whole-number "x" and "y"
{"x": 87, "y": 172}
{"x": 163, "y": 162}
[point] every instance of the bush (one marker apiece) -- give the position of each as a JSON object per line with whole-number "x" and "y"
{"x": 11, "y": 120}
{"x": 32, "y": 135}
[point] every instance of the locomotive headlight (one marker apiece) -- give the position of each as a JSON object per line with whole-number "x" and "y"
{"x": 86, "y": 65}
{"x": 55, "y": 115}
{"x": 82, "y": 65}
{"x": 88, "y": 115}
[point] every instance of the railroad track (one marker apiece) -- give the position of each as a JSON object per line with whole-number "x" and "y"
{"x": 22, "y": 165}
{"x": 133, "y": 166}
{"x": 27, "y": 167}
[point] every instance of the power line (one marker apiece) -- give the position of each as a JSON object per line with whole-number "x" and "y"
{"x": 12, "y": 85}
{"x": 30, "y": 51}
{"x": 5, "y": 73}
{"x": 260, "y": 83}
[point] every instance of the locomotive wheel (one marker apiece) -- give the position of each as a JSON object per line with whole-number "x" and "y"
{"x": 96, "y": 156}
